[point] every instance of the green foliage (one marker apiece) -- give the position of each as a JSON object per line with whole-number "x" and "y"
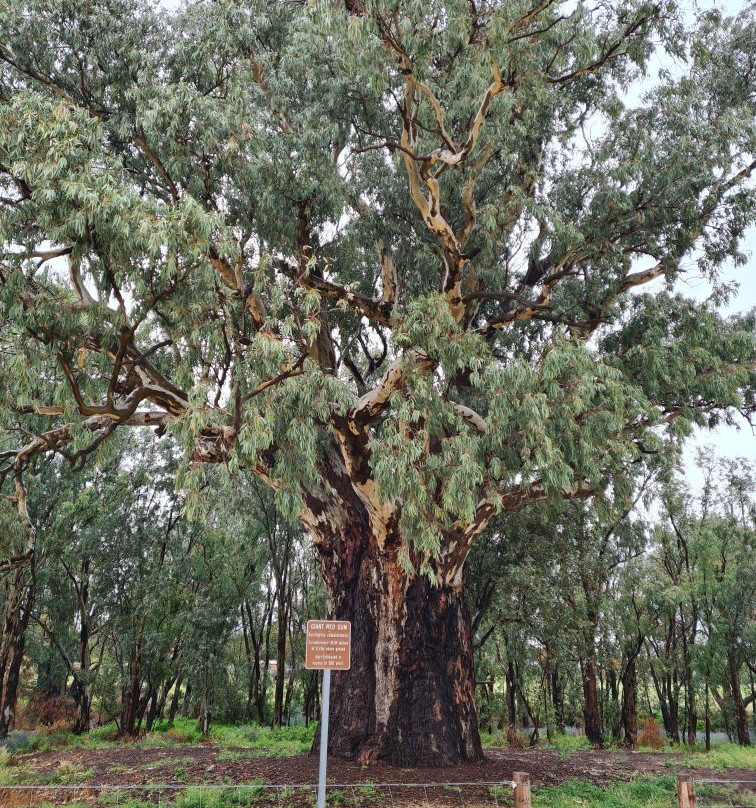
{"x": 175, "y": 175}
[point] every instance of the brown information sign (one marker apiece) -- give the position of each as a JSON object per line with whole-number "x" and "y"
{"x": 328, "y": 645}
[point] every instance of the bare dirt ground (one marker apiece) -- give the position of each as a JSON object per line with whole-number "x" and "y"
{"x": 209, "y": 764}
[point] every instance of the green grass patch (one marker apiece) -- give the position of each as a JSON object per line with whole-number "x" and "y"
{"x": 493, "y": 740}
{"x": 568, "y": 743}
{"x": 234, "y": 796}
{"x": 656, "y": 792}
{"x": 722, "y": 757}
{"x": 559, "y": 740}
{"x": 263, "y": 741}
{"x": 167, "y": 761}
{"x": 67, "y": 774}
{"x": 720, "y": 794}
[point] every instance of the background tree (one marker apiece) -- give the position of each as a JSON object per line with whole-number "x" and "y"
{"x": 383, "y": 257}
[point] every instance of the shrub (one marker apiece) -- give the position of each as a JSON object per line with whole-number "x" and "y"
{"x": 43, "y": 710}
{"x": 183, "y": 735}
{"x": 22, "y": 741}
{"x": 651, "y": 734}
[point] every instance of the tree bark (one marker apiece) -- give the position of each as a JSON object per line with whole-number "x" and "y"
{"x": 131, "y": 696}
{"x": 175, "y": 701}
{"x": 557, "y": 697}
{"x": 690, "y": 694}
{"x": 593, "y": 731}
{"x": 629, "y": 703}
{"x": 84, "y": 690}
{"x": 511, "y": 701}
{"x": 20, "y": 596}
{"x": 616, "y": 709}
{"x": 738, "y": 703}
{"x": 409, "y": 697}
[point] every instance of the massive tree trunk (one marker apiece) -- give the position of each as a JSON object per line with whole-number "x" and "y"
{"x": 409, "y": 697}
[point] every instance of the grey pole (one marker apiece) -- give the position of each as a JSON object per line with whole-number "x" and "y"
{"x": 324, "y": 737}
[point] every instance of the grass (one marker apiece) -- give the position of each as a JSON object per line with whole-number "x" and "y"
{"x": 656, "y": 792}
{"x": 263, "y": 741}
{"x": 722, "y": 757}
{"x": 167, "y": 761}
{"x": 569, "y": 743}
{"x": 559, "y": 740}
{"x": 721, "y": 795}
{"x": 67, "y": 774}
{"x": 493, "y": 740}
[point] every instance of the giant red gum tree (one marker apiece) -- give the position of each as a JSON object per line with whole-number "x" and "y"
{"x": 388, "y": 256}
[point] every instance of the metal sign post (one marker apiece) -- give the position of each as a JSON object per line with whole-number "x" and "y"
{"x": 325, "y": 704}
{"x": 329, "y": 647}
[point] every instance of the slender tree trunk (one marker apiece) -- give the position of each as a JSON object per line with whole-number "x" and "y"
{"x": 133, "y": 691}
{"x": 629, "y": 703}
{"x": 661, "y": 693}
{"x": 511, "y": 703}
{"x": 291, "y": 678}
{"x": 310, "y": 697}
{"x": 557, "y": 697}
{"x": 673, "y": 708}
{"x": 187, "y": 701}
{"x": 252, "y": 650}
{"x": 20, "y": 596}
{"x": 738, "y": 703}
{"x": 725, "y": 704}
{"x": 83, "y": 708}
{"x": 173, "y": 709}
{"x": 593, "y": 730}
{"x": 690, "y": 696}
{"x": 616, "y": 712}
{"x": 207, "y": 703}
{"x": 152, "y": 710}
{"x": 84, "y": 689}
{"x": 280, "y": 681}
{"x": 165, "y": 689}
{"x": 262, "y": 693}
